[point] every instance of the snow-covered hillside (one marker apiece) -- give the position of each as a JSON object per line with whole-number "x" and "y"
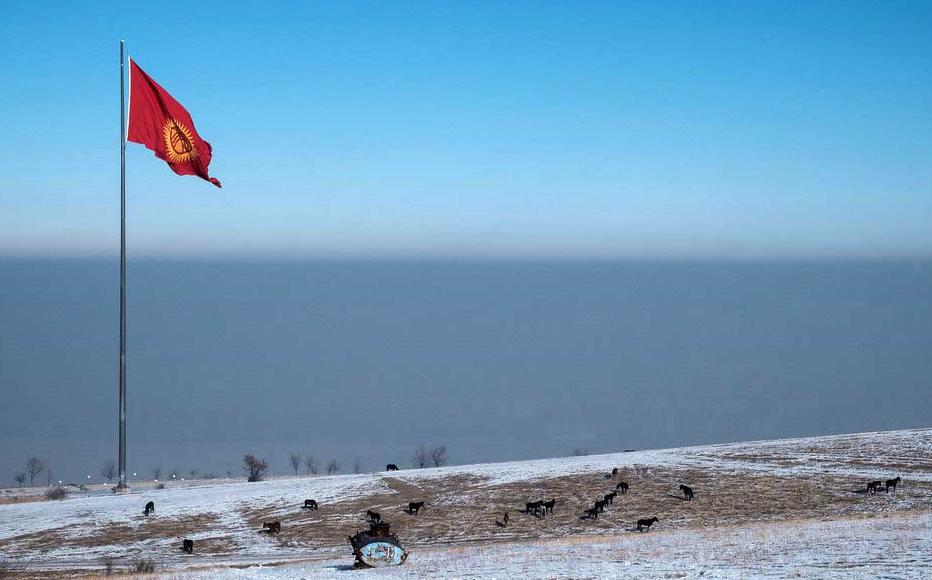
{"x": 755, "y": 486}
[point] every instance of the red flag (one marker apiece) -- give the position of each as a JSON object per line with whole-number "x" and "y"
{"x": 159, "y": 122}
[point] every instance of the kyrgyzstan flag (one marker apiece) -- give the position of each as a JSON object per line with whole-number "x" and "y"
{"x": 159, "y": 122}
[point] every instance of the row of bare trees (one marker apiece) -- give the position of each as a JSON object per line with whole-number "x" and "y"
{"x": 33, "y": 468}
{"x": 423, "y": 456}
{"x": 255, "y": 467}
{"x": 435, "y": 456}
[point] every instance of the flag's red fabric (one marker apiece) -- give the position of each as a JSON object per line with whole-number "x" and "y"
{"x": 159, "y": 122}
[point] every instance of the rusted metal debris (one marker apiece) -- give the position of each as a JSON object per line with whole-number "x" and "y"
{"x": 377, "y": 547}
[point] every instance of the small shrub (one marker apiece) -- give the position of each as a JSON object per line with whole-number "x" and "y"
{"x": 144, "y": 566}
{"x": 255, "y": 467}
{"x": 160, "y": 486}
{"x": 57, "y": 492}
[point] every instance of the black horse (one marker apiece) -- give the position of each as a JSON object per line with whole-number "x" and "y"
{"x": 535, "y": 507}
{"x": 150, "y": 508}
{"x": 891, "y": 484}
{"x": 645, "y": 524}
{"x": 415, "y": 506}
{"x": 687, "y": 492}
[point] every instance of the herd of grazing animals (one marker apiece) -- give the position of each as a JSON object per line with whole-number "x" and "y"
{"x": 887, "y": 485}
{"x": 538, "y": 508}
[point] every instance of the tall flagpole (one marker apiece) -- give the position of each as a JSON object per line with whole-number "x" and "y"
{"x": 122, "y": 461}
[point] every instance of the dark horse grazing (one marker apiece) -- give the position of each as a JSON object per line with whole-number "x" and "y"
{"x": 614, "y": 471}
{"x": 391, "y": 467}
{"x": 645, "y": 524}
{"x": 187, "y": 546}
{"x": 687, "y": 492}
{"x": 535, "y": 507}
{"x": 891, "y": 483}
{"x": 610, "y": 497}
{"x": 593, "y": 513}
{"x": 600, "y": 505}
{"x": 310, "y": 504}
{"x": 150, "y": 508}
{"x": 872, "y": 486}
{"x": 373, "y": 516}
{"x": 272, "y": 527}
{"x": 415, "y": 506}
{"x": 548, "y": 505}
{"x": 622, "y": 487}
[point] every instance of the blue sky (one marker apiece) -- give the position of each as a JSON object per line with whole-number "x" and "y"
{"x": 502, "y": 129}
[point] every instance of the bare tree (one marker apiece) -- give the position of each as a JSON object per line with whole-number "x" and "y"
{"x": 34, "y": 467}
{"x": 108, "y": 471}
{"x": 357, "y": 466}
{"x": 157, "y": 473}
{"x": 20, "y": 478}
{"x": 333, "y": 467}
{"x": 48, "y": 475}
{"x": 254, "y": 467}
{"x": 295, "y": 460}
{"x": 438, "y": 455}
{"x": 419, "y": 459}
{"x": 311, "y": 464}
{"x": 193, "y": 471}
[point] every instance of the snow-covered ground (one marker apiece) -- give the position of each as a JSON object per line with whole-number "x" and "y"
{"x": 898, "y": 547}
{"x": 744, "y": 491}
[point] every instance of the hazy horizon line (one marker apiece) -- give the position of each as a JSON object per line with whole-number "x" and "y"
{"x": 476, "y": 257}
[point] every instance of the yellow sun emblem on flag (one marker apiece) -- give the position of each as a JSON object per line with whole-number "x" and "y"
{"x": 179, "y": 144}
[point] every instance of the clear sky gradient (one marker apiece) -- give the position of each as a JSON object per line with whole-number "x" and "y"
{"x": 450, "y": 129}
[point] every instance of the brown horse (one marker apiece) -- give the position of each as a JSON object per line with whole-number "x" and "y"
{"x": 272, "y": 527}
